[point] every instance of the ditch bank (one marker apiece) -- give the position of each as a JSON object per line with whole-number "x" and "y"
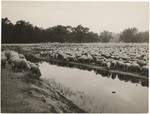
{"x": 20, "y": 93}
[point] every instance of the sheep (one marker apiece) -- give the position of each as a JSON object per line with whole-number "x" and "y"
{"x": 127, "y": 66}
{"x": 145, "y": 70}
{"x": 43, "y": 53}
{"x": 104, "y": 63}
{"x": 84, "y": 59}
{"x": 21, "y": 56}
{"x": 108, "y": 64}
{"x": 2, "y": 53}
{"x": 99, "y": 61}
{"x": 135, "y": 67}
{"x": 95, "y": 58}
{"x": 3, "y": 60}
{"x": 145, "y": 58}
{"x": 125, "y": 57}
{"x": 7, "y": 54}
{"x": 13, "y": 55}
{"x": 65, "y": 58}
{"x": 116, "y": 57}
{"x": 35, "y": 70}
{"x": 56, "y": 56}
{"x": 71, "y": 58}
{"x": 139, "y": 56}
{"x": 90, "y": 58}
{"x": 81, "y": 59}
{"x": 120, "y": 65}
{"x": 12, "y": 58}
{"x": 113, "y": 64}
{"x": 142, "y": 63}
{"x": 20, "y": 64}
{"x": 29, "y": 62}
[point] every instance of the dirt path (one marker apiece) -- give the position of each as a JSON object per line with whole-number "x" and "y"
{"x": 22, "y": 94}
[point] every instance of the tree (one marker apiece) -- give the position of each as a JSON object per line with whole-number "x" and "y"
{"x": 24, "y": 32}
{"x": 128, "y": 35}
{"x": 142, "y": 36}
{"x": 116, "y": 37}
{"x": 8, "y": 31}
{"x": 106, "y": 36}
{"x": 146, "y": 36}
{"x": 80, "y": 33}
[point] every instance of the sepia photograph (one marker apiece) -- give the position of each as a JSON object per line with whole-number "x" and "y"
{"x": 74, "y": 56}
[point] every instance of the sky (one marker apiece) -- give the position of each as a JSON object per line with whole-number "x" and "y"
{"x": 97, "y": 15}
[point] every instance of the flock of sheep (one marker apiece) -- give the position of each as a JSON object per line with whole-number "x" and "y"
{"x": 125, "y": 57}
{"x": 18, "y": 62}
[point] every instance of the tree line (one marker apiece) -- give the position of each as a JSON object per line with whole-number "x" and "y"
{"x": 24, "y": 32}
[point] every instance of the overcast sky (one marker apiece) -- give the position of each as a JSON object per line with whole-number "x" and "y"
{"x": 98, "y": 16}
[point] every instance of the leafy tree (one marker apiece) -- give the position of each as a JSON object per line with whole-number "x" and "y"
{"x": 116, "y": 37}
{"x": 106, "y": 36}
{"x": 8, "y": 31}
{"x": 80, "y": 33}
{"x": 128, "y": 35}
{"x": 24, "y": 32}
{"x": 142, "y": 37}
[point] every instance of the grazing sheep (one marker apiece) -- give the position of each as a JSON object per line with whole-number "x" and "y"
{"x": 99, "y": 61}
{"x": 89, "y": 58}
{"x": 142, "y": 63}
{"x": 7, "y": 54}
{"x": 145, "y": 58}
{"x": 108, "y": 64}
{"x": 145, "y": 70}
{"x": 116, "y": 57}
{"x": 2, "y": 53}
{"x": 71, "y": 58}
{"x": 13, "y": 53}
{"x": 21, "y": 56}
{"x": 20, "y": 64}
{"x": 29, "y": 62}
{"x": 12, "y": 58}
{"x": 56, "y": 56}
{"x": 120, "y": 65}
{"x": 35, "y": 70}
{"x": 104, "y": 63}
{"x": 65, "y": 58}
{"x": 43, "y": 53}
{"x": 135, "y": 67}
{"x": 113, "y": 64}
{"x": 84, "y": 59}
{"x": 139, "y": 56}
{"x": 127, "y": 66}
{"x": 3, "y": 61}
{"x": 125, "y": 57}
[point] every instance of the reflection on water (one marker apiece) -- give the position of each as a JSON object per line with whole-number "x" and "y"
{"x": 103, "y": 73}
{"x": 130, "y": 93}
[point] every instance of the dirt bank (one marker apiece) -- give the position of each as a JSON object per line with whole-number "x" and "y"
{"x": 20, "y": 93}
